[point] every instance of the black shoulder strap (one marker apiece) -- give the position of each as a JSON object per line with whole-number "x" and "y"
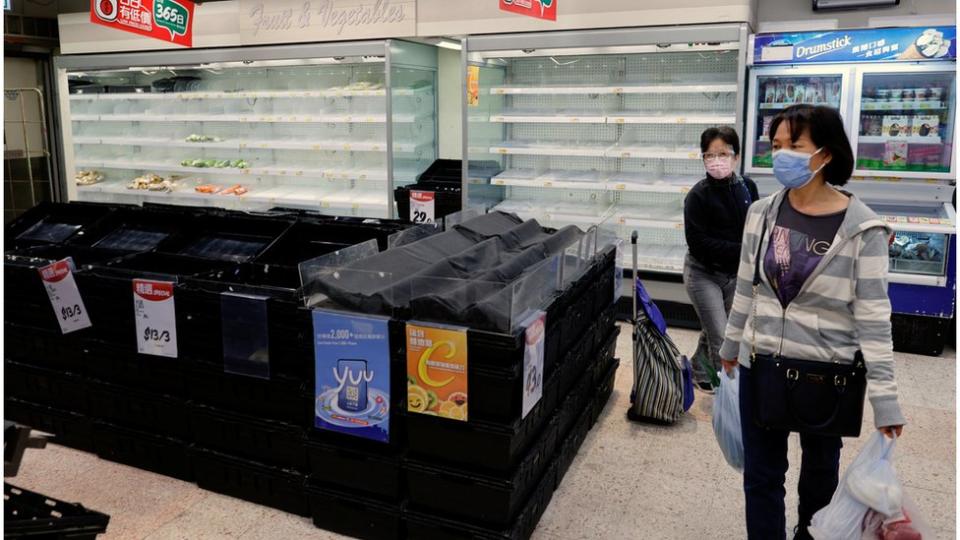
{"x": 758, "y": 258}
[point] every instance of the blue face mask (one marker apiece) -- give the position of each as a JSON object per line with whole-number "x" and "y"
{"x": 792, "y": 168}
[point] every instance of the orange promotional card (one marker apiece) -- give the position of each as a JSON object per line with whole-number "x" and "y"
{"x": 473, "y": 86}
{"x": 437, "y": 371}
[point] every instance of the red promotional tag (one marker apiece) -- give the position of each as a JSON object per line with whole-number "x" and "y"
{"x": 166, "y": 20}
{"x": 538, "y": 9}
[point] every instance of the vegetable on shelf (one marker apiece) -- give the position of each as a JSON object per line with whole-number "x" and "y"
{"x": 193, "y": 137}
{"x": 215, "y": 163}
{"x": 88, "y": 178}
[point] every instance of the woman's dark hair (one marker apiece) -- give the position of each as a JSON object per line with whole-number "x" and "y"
{"x": 724, "y": 133}
{"x": 826, "y": 131}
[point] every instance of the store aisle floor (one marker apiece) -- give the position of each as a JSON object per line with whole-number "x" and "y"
{"x": 629, "y": 481}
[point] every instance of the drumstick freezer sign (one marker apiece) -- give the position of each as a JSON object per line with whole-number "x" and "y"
{"x": 166, "y": 20}
{"x": 538, "y": 9}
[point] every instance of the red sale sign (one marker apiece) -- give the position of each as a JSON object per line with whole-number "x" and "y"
{"x": 166, "y": 20}
{"x": 539, "y": 9}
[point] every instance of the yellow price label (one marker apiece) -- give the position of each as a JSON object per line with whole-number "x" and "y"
{"x": 499, "y": 183}
{"x": 619, "y": 120}
{"x": 548, "y": 184}
{"x": 243, "y": 145}
{"x": 324, "y": 204}
{"x": 618, "y": 90}
{"x": 681, "y": 120}
{"x": 315, "y": 147}
{"x": 684, "y": 190}
{"x": 625, "y": 154}
{"x": 500, "y": 91}
{"x": 299, "y": 173}
{"x": 678, "y": 226}
{"x": 620, "y": 187}
{"x": 243, "y": 118}
{"x": 574, "y": 120}
{"x": 346, "y": 147}
{"x": 502, "y": 150}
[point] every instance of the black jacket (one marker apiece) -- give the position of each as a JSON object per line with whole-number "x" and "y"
{"x": 713, "y": 216}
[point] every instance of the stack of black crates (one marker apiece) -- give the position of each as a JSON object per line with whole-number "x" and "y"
{"x": 251, "y": 435}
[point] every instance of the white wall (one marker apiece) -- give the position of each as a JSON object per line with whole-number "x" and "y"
{"x": 449, "y": 93}
{"x": 21, "y": 73}
{"x": 802, "y": 10}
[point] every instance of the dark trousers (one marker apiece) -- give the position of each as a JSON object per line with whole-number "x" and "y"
{"x": 765, "y": 468}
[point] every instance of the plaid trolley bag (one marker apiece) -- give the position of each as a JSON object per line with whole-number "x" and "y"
{"x": 660, "y": 372}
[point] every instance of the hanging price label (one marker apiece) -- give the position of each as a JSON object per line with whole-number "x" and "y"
{"x": 64, "y": 296}
{"x": 422, "y": 206}
{"x": 154, "y": 311}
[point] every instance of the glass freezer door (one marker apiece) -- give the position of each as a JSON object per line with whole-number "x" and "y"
{"x": 906, "y": 121}
{"x": 773, "y": 90}
{"x": 920, "y": 247}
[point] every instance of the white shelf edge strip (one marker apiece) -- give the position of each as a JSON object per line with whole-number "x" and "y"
{"x": 620, "y": 89}
{"x": 612, "y": 119}
{"x": 359, "y": 146}
{"x": 251, "y": 94}
{"x": 256, "y": 118}
{"x": 330, "y": 174}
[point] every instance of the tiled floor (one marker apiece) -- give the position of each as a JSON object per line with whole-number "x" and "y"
{"x": 629, "y": 481}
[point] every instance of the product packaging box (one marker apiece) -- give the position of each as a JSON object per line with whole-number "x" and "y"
{"x": 895, "y": 155}
{"x": 896, "y": 126}
{"x": 926, "y": 126}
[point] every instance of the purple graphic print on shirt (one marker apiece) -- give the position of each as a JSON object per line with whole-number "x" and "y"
{"x": 797, "y": 244}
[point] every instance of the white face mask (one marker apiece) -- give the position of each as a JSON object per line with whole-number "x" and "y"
{"x": 719, "y": 168}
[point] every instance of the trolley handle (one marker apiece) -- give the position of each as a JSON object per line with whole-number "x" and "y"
{"x": 633, "y": 283}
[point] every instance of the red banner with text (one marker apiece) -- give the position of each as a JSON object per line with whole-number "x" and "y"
{"x": 539, "y": 9}
{"x": 166, "y": 20}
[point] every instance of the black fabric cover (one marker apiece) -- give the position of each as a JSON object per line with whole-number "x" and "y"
{"x": 460, "y": 275}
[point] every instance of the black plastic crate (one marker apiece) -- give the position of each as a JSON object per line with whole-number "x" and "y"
{"x": 919, "y": 334}
{"x": 229, "y": 237}
{"x": 107, "y": 289}
{"x": 134, "y": 229}
{"x": 576, "y": 401}
{"x": 162, "y": 455}
{"x": 68, "y": 428}
{"x": 277, "y": 398}
{"x": 494, "y": 446}
{"x": 358, "y": 469}
{"x": 259, "y": 483}
{"x": 113, "y": 364}
{"x": 26, "y": 302}
{"x": 138, "y": 409}
{"x": 574, "y": 440}
{"x": 31, "y": 515}
{"x": 51, "y": 223}
{"x": 604, "y": 391}
{"x": 44, "y": 348}
{"x": 45, "y": 386}
{"x": 289, "y": 328}
{"x": 354, "y": 515}
{"x": 480, "y": 498}
{"x": 309, "y": 238}
{"x": 249, "y": 437}
{"x": 427, "y": 526}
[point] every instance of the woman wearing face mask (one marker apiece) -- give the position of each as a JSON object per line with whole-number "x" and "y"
{"x": 819, "y": 259}
{"x": 713, "y": 215}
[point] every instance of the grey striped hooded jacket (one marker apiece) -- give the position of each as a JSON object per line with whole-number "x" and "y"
{"x": 842, "y": 307}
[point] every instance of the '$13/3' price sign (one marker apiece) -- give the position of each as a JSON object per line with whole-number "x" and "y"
{"x": 154, "y": 311}
{"x": 64, "y": 296}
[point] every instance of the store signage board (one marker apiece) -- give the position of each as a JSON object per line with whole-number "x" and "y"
{"x": 155, "y": 314}
{"x": 538, "y": 9}
{"x": 437, "y": 371}
{"x": 534, "y": 340}
{"x": 352, "y": 357}
{"x": 862, "y": 45}
{"x": 166, "y": 20}
{"x": 291, "y": 21}
{"x": 65, "y": 296}
{"x": 423, "y": 206}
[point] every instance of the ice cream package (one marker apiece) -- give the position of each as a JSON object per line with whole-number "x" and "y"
{"x": 895, "y": 154}
{"x": 925, "y": 126}
{"x": 896, "y": 125}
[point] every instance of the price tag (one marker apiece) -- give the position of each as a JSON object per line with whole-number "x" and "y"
{"x": 64, "y": 296}
{"x": 154, "y": 312}
{"x": 422, "y": 206}
{"x": 502, "y": 150}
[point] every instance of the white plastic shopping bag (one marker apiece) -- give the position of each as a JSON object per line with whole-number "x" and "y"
{"x": 726, "y": 419}
{"x": 908, "y": 524}
{"x": 873, "y": 481}
{"x": 843, "y": 518}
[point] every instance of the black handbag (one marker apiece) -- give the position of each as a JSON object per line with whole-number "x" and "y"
{"x": 805, "y": 396}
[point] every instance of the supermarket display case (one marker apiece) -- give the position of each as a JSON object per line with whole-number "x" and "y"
{"x": 599, "y": 127}
{"x": 906, "y": 116}
{"x": 328, "y": 127}
{"x": 773, "y": 89}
